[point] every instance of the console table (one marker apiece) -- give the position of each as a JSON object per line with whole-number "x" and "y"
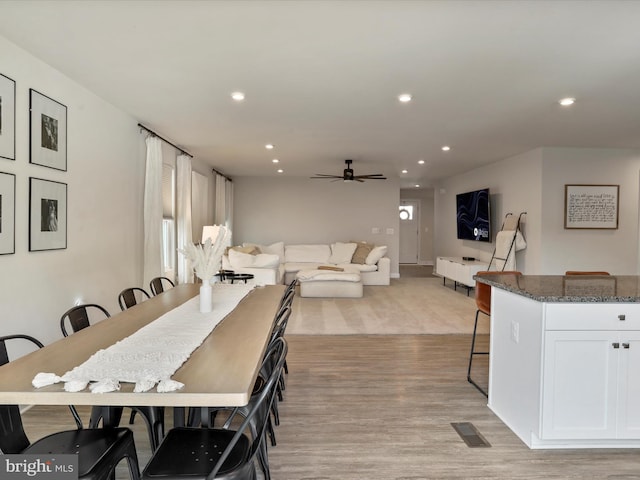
{"x": 459, "y": 270}
{"x": 565, "y": 359}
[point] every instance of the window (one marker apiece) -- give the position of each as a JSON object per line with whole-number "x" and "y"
{"x": 406, "y": 212}
{"x": 168, "y": 221}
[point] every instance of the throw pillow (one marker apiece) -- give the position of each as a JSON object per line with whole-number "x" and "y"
{"x": 265, "y": 260}
{"x": 251, "y": 250}
{"x": 376, "y": 254}
{"x": 239, "y": 259}
{"x": 360, "y": 255}
{"x": 342, "y": 252}
{"x": 273, "y": 249}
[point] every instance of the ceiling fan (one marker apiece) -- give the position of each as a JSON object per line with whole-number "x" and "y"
{"x": 348, "y": 176}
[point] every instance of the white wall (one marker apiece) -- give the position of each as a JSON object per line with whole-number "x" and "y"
{"x": 615, "y": 251}
{"x": 534, "y": 182}
{"x": 515, "y": 186}
{"x": 301, "y": 210}
{"x": 104, "y": 178}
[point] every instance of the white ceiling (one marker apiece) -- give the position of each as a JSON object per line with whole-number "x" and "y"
{"x": 322, "y": 77}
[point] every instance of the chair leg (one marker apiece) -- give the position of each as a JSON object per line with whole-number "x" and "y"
{"x": 472, "y": 353}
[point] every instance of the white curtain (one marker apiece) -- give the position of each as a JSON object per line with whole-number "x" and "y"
{"x": 153, "y": 210}
{"x": 183, "y": 202}
{"x": 224, "y": 202}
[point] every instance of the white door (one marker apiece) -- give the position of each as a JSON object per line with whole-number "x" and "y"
{"x": 409, "y": 230}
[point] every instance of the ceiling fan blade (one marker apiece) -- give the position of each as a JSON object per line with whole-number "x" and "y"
{"x": 357, "y": 179}
{"x": 371, "y": 177}
{"x": 321, "y": 175}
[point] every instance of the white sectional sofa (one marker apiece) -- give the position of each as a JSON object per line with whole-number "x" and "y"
{"x": 279, "y": 263}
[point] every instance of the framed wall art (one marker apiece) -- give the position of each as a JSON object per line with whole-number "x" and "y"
{"x": 7, "y": 213}
{"x": 7, "y": 118}
{"x": 47, "y": 131}
{"x": 591, "y": 206}
{"x": 47, "y": 215}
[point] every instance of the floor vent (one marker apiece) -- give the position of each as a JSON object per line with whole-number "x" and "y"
{"x": 470, "y": 435}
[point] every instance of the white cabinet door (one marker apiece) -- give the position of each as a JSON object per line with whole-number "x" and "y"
{"x": 629, "y": 386}
{"x": 579, "y": 385}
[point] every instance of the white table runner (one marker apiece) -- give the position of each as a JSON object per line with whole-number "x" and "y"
{"x": 152, "y": 354}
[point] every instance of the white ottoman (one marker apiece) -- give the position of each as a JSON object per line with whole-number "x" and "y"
{"x": 330, "y": 283}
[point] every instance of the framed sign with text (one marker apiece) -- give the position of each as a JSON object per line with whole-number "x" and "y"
{"x": 591, "y": 206}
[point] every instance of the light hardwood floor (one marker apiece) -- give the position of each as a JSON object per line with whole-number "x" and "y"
{"x": 379, "y": 407}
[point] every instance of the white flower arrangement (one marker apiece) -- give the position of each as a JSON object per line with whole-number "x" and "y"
{"x": 206, "y": 257}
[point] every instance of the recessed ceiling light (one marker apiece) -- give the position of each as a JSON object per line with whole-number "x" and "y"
{"x": 565, "y": 102}
{"x": 275, "y": 160}
{"x": 446, "y": 148}
{"x": 404, "y": 97}
{"x": 405, "y": 171}
{"x": 269, "y": 146}
{"x": 280, "y": 170}
{"x": 237, "y": 96}
{"x": 420, "y": 162}
{"x": 417, "y": 186}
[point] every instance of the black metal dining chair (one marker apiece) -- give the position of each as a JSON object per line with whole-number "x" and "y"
{"x": 99, "y": 450}
{"x": 194, "y": 453}
{"x": 160, "y": 284}
{"x": 131, "y": 296}
{"x": 79, "y": 317}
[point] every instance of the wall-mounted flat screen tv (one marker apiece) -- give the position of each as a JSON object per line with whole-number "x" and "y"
{"x": 473, "y": 215}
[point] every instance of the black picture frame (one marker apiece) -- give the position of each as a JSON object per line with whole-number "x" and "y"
{"x": 47, "y": 131}
{"x": 591, "y": 207}
{"x": 47, "y": 215}
{"x": 7, "y": 213}
{"x": 7, "y": 118}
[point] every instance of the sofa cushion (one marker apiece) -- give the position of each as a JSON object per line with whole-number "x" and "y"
{"x": 359, "y": 267}
{"x": 276, "y": 248}
{"x": 362, "y": 250}
{"x": 239, "y": 259}
{"x": 266, "y": 260}
{"x": 297, "y": 266}
{"x": 307, "y": 253}
{"x": 376, "y": 254}
{"x": 251, "y": 250}
{"x": 342, "y": 252}
{"x": 244, "y": 260}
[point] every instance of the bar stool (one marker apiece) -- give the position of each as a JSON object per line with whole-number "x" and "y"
{"x": 483, "y": 303}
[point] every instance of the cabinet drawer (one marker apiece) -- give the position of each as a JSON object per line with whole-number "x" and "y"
{"x": 589, "y": 316}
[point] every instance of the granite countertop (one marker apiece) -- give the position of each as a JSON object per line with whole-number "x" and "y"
{"x": 569, "y": 288}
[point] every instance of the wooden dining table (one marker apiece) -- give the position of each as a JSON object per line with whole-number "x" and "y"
{"x": 221, "y": 372}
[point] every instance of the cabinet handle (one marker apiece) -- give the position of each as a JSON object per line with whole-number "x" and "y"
{"x": 622, "y": 318}
{"x": 626, "y": 345}
{"x": 616, "y": 345}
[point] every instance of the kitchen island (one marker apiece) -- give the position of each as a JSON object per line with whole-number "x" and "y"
{"x": 564, "y": 368}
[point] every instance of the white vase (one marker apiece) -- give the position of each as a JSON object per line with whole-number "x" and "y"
{"x": 206, "y": 303}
